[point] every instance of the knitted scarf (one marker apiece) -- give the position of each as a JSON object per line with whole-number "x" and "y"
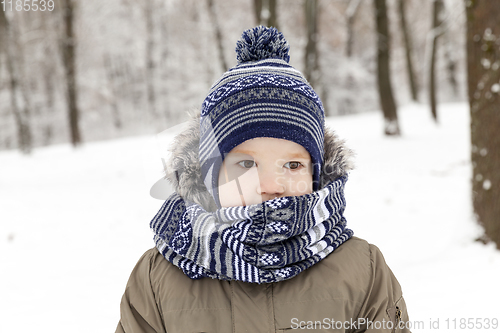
{"x": 262, "y": 243}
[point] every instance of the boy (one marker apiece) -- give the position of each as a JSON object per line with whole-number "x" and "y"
{"x": 255, "y": 240}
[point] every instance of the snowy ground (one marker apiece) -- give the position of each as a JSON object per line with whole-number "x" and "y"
{"x": 74, "y": 223}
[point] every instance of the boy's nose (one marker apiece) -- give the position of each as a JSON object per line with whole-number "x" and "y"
{"x": 270, "y": 185}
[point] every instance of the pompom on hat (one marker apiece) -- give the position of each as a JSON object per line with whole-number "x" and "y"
{"x": 262, "y": 96}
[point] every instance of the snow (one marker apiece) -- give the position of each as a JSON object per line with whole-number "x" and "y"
{"x": 75, "y": 222}
{"x": 495, "y": 87}
{"x": 486, "y": 63}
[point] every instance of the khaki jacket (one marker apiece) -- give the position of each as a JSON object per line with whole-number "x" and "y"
{"x": 351, "y": 290}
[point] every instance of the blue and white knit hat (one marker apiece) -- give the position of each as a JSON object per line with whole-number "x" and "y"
{"x": 262, "y": 96}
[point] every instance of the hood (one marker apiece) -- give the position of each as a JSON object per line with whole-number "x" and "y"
{"x": 185, "y": 170}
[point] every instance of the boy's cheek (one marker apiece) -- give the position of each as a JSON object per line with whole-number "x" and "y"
{"x": 303, "y": 187}
{"x": 299, "y": 185}
{"x": 228, "y": 195}
{"x": 240, "y": 191}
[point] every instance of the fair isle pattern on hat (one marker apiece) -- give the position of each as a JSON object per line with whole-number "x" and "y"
{"x": 263, "y": 96}
{"x": 263, "y": 243}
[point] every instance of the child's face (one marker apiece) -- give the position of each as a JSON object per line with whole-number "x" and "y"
{"x": 261, "y": 169}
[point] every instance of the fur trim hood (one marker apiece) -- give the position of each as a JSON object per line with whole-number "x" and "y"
{"x": 184, "y": 170}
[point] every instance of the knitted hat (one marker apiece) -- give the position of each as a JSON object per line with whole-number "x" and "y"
{"x": 262, "y": 96}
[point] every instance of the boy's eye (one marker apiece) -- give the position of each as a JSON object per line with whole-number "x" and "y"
{"x": 247, "y": 164}
{"x": 292, "y": 165}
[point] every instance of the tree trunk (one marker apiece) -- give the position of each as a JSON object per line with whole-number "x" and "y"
{"x": 351, "y": 11}
{"x": 409, "y": 50}
{"x": 4, "y": 35}
{"x": 483, "y": 63}
{"x": 48, "y": 73}
{"x": 273, "y": 14}
{"x": 218, "y": 35}
{"x": 150, "y": 63}
{"x": 391, "y": 126}
{"x": 346, "y": 103}
{"x": 311, "y": 55}
{"x": 257, "y": 10}
{"x": 266, "y": 13}
{"x": 50, "y": 98}
{"x": 312, "y": 70}
{"x": 69, "y": 60}
{"x": 436, "y": 32}
{"x": 21, "y": 117}
{"x": 113, "y": 75}
{"x": 163, "y": 97}
{"x": 451, "y": 64}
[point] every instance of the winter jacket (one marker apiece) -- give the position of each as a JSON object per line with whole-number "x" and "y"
{"x": 351, "y": 290}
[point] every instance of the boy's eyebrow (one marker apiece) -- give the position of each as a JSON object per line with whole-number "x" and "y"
{"x": 304, "y": 155}
{"x": 243, "y": 151}
{"x": 299, "y": 155}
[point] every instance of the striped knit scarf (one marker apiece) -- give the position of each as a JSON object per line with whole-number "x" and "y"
{"x": 262, "y": 243}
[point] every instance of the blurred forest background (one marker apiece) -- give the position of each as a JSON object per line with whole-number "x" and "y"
{"x": 96, "y": 70}
{"x": 138, "y": 66}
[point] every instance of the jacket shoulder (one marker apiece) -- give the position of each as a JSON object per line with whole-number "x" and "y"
{"x": 364, "y": 265}
{"x": 356, "y": 256}
{"x": 352, "y": 259}
{"x": 383, "y": 297}
{"x": 139, "y": 310}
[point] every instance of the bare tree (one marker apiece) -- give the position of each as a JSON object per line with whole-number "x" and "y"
{"x": 69, "y": 61}
{"x": 48, "y": 72}
{"x": 311, "y": 68}
{"x": 163, "y": 62}
{"x": 347, "y": 102}
{"x": 113, "y": 73}
{"x": 149, "y": 56}
{"x": 391, "y": 126}
{"x": 266, "y": 13}
{"x": 4, "y": 34}
{"x": 451, "y": 62}
{"x": 8, "y": 45}
{"x": 350, "y": 13}
{"x": 257, "y": 11}
{"x": 218, "y": 34}
{"x": 483, "y": 70}
{"x": 273, "y": 14}
{"x": 437, "y": 30}
{"x": 408, "y": 49}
